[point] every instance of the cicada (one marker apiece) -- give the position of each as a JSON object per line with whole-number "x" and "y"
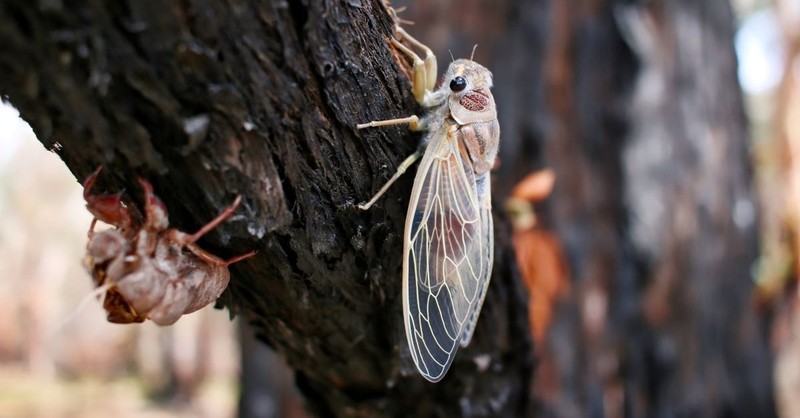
{"x": 449, "y": 236}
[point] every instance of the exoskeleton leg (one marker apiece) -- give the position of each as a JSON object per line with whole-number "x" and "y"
{"x": 189, "y": 240}
{"x": 225, "y": 214}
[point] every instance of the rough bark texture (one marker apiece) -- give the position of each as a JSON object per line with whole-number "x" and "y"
{"x": 208, "y": 100}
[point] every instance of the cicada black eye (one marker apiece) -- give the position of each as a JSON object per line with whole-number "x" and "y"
{"x": 458, "y": 83}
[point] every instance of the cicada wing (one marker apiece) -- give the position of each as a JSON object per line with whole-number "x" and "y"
{"x": 487, "y": 237}
{"x": 447, "y": 258}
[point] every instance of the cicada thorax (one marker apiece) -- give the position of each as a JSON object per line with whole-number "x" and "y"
{"x": 476, "y": 131}
{"x": 475, "y": 105}
{"x": 473, "y": 113}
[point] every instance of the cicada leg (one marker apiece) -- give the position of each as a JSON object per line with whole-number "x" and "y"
{"x": 424, "y": 70}
{"x": 413, "y": 123}
{"x": 408, "y": 162}
{"x": 423, "y": 83}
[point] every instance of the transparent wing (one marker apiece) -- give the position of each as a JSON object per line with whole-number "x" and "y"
{"x": 448, "y": 256}
{"x": 487, "y": 232}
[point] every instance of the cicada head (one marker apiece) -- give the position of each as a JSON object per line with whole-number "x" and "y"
{"x": 464, "y": 75}
{"x": 470, "y": 99}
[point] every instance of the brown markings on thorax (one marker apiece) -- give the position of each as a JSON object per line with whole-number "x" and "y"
{"x": 475, "y": 101}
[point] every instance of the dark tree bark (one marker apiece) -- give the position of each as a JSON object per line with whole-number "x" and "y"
{"x": 208, "y": 100}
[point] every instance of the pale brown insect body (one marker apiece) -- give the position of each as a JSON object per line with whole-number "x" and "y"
{"x": 151, "y": 271}
{"x": 449, "y": 237}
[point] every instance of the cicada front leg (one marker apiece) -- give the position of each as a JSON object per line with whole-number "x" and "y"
{"x": 424, "y": 78}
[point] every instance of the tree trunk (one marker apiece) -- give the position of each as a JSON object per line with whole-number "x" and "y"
{"x": 209, "y": 100}
{"x": 689, "y": 150}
